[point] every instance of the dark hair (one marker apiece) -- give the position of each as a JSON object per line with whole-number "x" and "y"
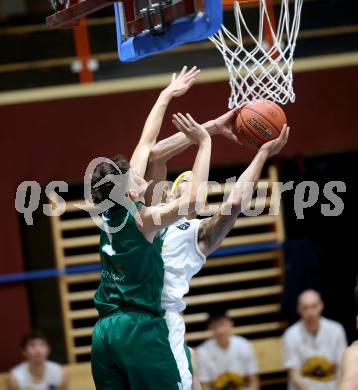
{"x": 102, "y": 170}
{"x": 34, "y": 335}
{"x": 214, "y": 317}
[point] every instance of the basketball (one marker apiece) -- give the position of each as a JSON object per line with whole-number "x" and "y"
{"x": 259, "y": 122}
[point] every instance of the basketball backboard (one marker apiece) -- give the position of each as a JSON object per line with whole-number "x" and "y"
{"x": 146, "y": 27}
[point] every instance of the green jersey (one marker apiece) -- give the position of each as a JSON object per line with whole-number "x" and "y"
{"x": 132, "y": 268}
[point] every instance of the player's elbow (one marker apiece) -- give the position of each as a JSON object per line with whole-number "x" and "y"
{"x": 154, "y": 155}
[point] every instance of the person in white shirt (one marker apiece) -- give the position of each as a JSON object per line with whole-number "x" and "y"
{"x": 188, "y": 242}
{"x": 349, "y": 367}
{"x": 226, "y": 361}
{"x": 36, "y": 372}
{"x": 313, "y": 347}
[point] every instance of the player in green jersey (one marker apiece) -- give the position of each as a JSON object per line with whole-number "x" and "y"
{"x": 130, "y": 347}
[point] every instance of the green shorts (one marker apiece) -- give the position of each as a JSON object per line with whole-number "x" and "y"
{"x": 188, "y": 358}
{"x": 130, "y": 350}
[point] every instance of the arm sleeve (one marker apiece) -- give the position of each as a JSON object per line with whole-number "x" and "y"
{"x": 291, "y": 358}
{"x": 203, "y": 368}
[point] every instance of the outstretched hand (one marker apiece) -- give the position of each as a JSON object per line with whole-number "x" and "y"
{"x": 274, "y": 147}
{"x": 181, "y": 83}
{"x": 225, "y": 125}
{"x": 193, "y": 130}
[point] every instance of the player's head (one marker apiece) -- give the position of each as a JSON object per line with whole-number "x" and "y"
{"x": 181, "y": 184}
{"x": 310, "y": 306}
{"x": 221, "y": 326}
{"x": 35, "y": 347}
{"x": 119, "y": 168}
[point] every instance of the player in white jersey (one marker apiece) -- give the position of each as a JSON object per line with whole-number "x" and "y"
{"x": 188, "y": 242}
{"x": 36, "y": 373}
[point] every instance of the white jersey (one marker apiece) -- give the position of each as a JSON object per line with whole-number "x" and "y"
{"x": 51, "y": 381}
{"x": 317, "y": 356}
{"x": 182, "y": 260}
{"x": 238, "y": 360}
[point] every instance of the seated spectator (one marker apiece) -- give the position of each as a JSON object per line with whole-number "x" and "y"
{"x": 313, "y": 347}
{"x": 36, "y": 372}
{"x": 349, "y": 369}
{"x": 226, "y": 361}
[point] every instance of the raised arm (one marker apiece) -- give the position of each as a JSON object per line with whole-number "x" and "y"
{"x": 177, "y": 87}
{"x": 156, "y": 217}
{"x": 169, "y": 147}
{"x": 213, "y": 230}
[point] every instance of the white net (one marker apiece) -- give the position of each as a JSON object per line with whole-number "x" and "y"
{"x": 259, "y": 69}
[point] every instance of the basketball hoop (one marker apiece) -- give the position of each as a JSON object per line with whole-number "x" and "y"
{"x": 260, "y": 66}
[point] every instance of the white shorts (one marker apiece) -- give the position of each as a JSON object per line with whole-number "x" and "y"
{"x": 176, "y": 326}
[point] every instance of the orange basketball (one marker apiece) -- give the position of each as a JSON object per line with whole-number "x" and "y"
{"x": 259, "y": 122}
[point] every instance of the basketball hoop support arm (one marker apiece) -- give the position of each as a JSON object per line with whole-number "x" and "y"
{"x": 71, "y": 14}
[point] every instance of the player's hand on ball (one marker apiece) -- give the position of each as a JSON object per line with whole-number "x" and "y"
{"x": 186, "y": 124}
{"x": 183, "y": 81}
{"x": 225, "y": 125}
{"x": 274, "y": 147}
